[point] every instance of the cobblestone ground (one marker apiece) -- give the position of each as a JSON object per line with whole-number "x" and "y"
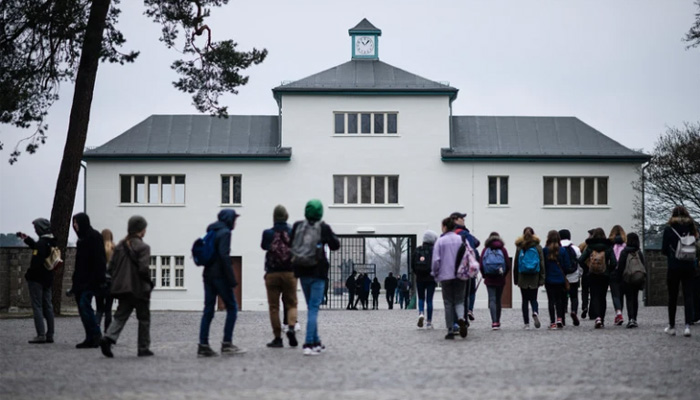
{"x": 370, "y": 355}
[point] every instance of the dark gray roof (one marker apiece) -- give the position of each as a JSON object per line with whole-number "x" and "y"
{"x": 197, "y": 136}
{"x": 365, "y": 77}
{"x": 525, "y": 138}
{"x": 365, "y": 27}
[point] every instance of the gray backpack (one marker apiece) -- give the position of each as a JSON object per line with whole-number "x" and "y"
{"x": 685, "y": 249}
{"x": 635, "y": 273}
{"x": 307, "y": 247}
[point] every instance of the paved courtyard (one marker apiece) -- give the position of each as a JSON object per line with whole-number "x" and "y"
{"x": 370, "y": 355}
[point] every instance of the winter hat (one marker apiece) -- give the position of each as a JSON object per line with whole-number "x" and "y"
{"x": 564, "y": 234}
{"x": 280, "y": 214}
{"x": 429, "y": 237}
{"x": 42, "y": 226}
{"x": 314, "y": 210}
{"x": 137, "y": 223}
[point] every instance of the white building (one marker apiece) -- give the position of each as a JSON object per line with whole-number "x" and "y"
{"x": 381, "y": 149}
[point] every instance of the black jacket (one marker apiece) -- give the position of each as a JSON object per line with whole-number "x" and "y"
{"x": 683, "y": 226}
{"x": 37, "y": 272}
{"x": 221, "y": 267}
{"x": 599, "y": 245}
{"x": 327, "y": 238}
{"x": 425, "y": 276}
{"x": 90, "y": 259}
{"x": 390, "y": 284}
{"x": 267, "y": 237}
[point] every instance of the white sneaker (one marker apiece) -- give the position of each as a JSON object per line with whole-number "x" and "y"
{"x": 309, "y": 350}
{"x": 670, "y": 331}
{"x": 429, "y": 325}
{"x": 686, "y": 331}
{"x": 420, "y": 320}
{"x": 526, "y": 327}
{"x": 297, "y": 327}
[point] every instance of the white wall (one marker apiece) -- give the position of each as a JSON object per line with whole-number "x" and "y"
{"x": 429, "y": 189}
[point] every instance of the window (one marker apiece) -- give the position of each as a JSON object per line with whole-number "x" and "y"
{"x": 165, "y": 271}
{"x": 152, "y": 189}
{"x": 368, "y": 123}
{"x": 230, "y": 189}
{"x": 179, "y": 271}
{"x": 365, "y": 189}
{"x": 164, "y": 274}
{"x": 575, "y": 191}
{"x": 498, "y": 190}
{"x": 153, "y": 268}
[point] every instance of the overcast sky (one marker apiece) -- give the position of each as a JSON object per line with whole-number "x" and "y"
{"x": 619, "y": 66}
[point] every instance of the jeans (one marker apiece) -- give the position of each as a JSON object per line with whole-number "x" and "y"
{"x": 404, "y": 298}
{"x": 674, "y": 278}
{"x": 632, "y": 295}
{"x": 556, "y": 293}
{"x": 390, "y": 299}
{"x": 617, "y": 294}
{"x": 313, "y": 292}
{"x": 281, "y": 284}
{"x": 212, "y": 288}
{"x": 42, "y": 308}
{"x": 495, "y": 294}
{"x": 573, "y": 296}
{"x": 426, "y": 291}
{"x": 104, "y": 307}
{"x": 472, "y": 293}
{"x": 529, "y": 297}
{"x": 143, "y": 314}
{"x": 453, "y": 297}
{"x": 599, "y": 292}
{"x": 87, "y": 315}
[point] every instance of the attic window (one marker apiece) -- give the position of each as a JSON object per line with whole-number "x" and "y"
{"x": 152, "y": 189}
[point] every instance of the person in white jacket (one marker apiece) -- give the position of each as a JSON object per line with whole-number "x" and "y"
{"x": 573, "y": 278}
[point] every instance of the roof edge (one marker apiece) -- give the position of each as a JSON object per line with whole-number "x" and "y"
{"x": 448, "y": 155}
{"x": 284, "y": 154}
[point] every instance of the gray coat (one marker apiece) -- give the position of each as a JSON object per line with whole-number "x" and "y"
{"x": 129, "y": 269}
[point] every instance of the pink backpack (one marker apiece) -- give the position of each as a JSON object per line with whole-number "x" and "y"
{"x": 468, "y": 267}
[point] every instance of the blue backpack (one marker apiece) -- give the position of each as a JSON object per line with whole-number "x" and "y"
{"x": 494, "y": 262}
{"x": 204, "y": 250}
{"x": 529, "y": 261}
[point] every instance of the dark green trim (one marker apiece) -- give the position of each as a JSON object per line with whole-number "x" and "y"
{"x": 354, "y": 92}
{"x": 602, "y": 159}
{"x": 185, "y": 158}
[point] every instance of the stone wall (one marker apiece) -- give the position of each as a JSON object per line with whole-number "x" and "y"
{"x": 657, "y": 290}
{"x": 14, "y": 294}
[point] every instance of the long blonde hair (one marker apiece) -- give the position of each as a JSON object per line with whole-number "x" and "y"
{"x": 108, "y": 238}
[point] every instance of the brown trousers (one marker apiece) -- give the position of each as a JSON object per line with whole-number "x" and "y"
{"x": 284, "y": 284}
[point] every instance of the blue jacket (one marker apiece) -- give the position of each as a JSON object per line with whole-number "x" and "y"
{"x": 267, "y": 236}
{"x": 462, "y": 231}
{"x": 221, "y": 268}
{"x": 553, "y": 271}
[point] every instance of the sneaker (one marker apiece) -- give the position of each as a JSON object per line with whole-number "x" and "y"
{"x": 470, "y": 315}
{"x": 584, "y": 312}
{"x": 297, "y": 327}
{"x": 319, "y": 347}
{"x": 276, "y": 342}
{"x": 686, "y": 331}
{"x": 537, "y": 320}
{"x": 429, "y": 325}
{"x": 495, "y": 326}
{"x": 89, "y": 344}
{"x": 631, "y": 324}
{"x": 634, "y": 323}
{"x": 145, "y": 353}
{"x": 450, "y": 335}
{"x": 40, "y": 339}
{"x": 229, "y": 349}
{"x": 553, "y": 327}
{"x": 560, "y": 323}
{"x": 462, "y": 327}
{"x": 619, "y": 320}
{"x": 598, "y": 323}
{"x": 420, "y": 320}
{"x": 204, "y": 350}
{"x": 574, "y": 318}
{"x": 292, "y": 337}
{"x": 106, "y": 347}
{"x": 526, "y": 327}
{"x": 310, "y": 350}
{"x": 49, "y": 339}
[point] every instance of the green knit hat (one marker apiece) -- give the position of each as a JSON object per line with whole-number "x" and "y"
{"x": 314, "y": 210}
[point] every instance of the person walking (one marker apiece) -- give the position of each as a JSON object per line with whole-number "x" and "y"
{"x": 461, "y": 229}
{"x": 132, "y": 286}
{"x": 494, "y": 268}
{"x": 556, "y": 262}
{"x": 89, "y": 277}
{"x": 599, "y": 262}
{"x": 680, "y": 270}
{"x": 366, "y": 287}
{"x": 390, "y": 285}
{"x": 40, "y": 280}
{"x": 574, "y": 278}
{"x": 631, "y": 257}
{"x": 376, "y": 288}
{"x": 104, "y": 299}
{"x": 219, "y": 280}
{"x": 280, "y": 281}
{"x": 619, "y": 238}
{"x": 585, "y": 283}
{"x": 425, "y": 283}
{"x": 404, "y": 291}
{"x": 309, "y": 239}
{"x": 444, "y": 271}
{"x": 529, "y": 273}
{"x": 350, "y": 285}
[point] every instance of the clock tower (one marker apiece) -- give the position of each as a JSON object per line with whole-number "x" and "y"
{"x": 365, "y": 41}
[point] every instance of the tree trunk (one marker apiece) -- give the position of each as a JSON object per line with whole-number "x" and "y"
{"x": 67, "y": 182}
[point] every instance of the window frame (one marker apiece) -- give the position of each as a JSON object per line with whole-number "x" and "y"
{"x": 582, "y": 191}
{"x": 499, "y": 193}
{"x": 162, "y": 180}
{"x": 372, "y": 123}
{"x": 231, "y": 186}
{"x": 354, "y": 182}
{"x": 172, "y": 272}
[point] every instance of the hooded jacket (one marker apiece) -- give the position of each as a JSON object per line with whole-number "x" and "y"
{"x": 445, "y": 256}
{"x": 267, "y": 237}
{"x": 494, "y": 243}
{"x": 682, "y": 225}
{"x": 130, "y": 270}
{"x": 90, "y": 259}
{"x": 37, "y": 272}
{"x": 531, "y": 281}
{"x": 554, "y": 269}
{"x": 221, "y": 268}
{"x": 599, "y": 244}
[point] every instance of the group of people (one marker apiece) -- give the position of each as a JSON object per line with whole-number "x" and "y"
{"x": 360, "y": 286}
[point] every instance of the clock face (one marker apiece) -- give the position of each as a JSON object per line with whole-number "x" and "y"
{"x": 364, "y": 45}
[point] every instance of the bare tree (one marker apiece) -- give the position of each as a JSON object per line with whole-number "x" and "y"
{"x": 390, "y": 251}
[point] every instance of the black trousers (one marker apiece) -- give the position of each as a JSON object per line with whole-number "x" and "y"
{"x": 599, "y": 292}
{"x": 632, "y": 297}
{"x": 674, "y": 279}
{"x": 556, "y": 294}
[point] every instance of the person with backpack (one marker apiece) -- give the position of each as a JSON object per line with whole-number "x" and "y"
{"x": 529, "y": 273}
{"x": 556, "y": 263}
{"x": 494, "y": 268}
{"x": 376, "y": 288}
{"x": 444, "y": 270}
{"x": 598, "y": 261}
{"x": 132, "y": 286}
{"x": 460, "y": 229}
{"x": 679, "y": 245}
{"x": 40, "y": 280}
{"x": 350, "y": 285}
{"x": 104, "y": 300}
{"x": 89, "y": 277}
{"x": 279, "y": 277}
{"x": 390, "y": 285}
{"x": 619, "y": 238}
{"x": 219, "y": 280}
{"x": 632, "y": 275}
{"x": 425, "y": 283}
{"x": 585, "y": 283}
{"x": 404, "y": 291}
{"x": 573, "y": 275}
{"x": 309, "y": 239}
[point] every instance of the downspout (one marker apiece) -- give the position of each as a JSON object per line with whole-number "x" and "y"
{"x": 84, "y": 167}
{"x": 644, "y": 230}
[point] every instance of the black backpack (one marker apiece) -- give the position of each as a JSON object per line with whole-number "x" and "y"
{"x": 573, "y": 261}
{"x": 423, "y": 260}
